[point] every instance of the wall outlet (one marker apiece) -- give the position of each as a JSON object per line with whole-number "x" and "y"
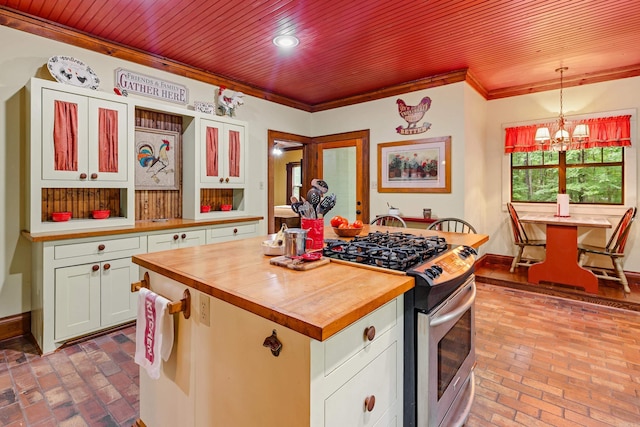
{"x": 205, "y": 308}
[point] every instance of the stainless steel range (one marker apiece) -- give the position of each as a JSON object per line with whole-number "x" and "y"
{"x": 439, "y": 329}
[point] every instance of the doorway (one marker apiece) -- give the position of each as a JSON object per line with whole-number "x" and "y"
{"x": 340, "y": 159}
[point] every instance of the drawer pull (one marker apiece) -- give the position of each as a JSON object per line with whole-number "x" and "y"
{"x": 273, "y": 343}
{"x": 369, "y": 403}
{"x": 107, "y": 266}
{"x": 184, "y": 236}
{"x": 101, "y": 247}
{"x": 235, "y": 231}
{"x": 96, "y": 267}
{"x": 94, "y": 176}
{"x": 226, "y": 180}
{"x": 176, "y": 237}
{"x": 221, "y": 179}
{"x": 370, "y": 333}
{"x": 83, "y": 175}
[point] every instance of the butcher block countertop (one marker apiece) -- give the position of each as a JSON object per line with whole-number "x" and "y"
{"x": 317, "y": 303}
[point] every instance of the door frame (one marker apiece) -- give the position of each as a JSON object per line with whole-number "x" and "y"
{"x": 310, "y": 164}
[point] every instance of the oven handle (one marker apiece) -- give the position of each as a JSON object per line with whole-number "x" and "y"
{"x": 458, "y": 311}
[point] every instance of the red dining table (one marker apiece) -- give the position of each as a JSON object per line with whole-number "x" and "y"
{"x": 560, "y": 264}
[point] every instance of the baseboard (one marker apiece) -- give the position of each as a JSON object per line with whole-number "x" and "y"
{"x": 15, "y": 326}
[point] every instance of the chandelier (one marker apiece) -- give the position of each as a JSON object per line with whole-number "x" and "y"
{"x": 561, "y": 139}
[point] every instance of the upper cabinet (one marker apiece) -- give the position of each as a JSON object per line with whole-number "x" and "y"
{"x": 79, "y": 158}
{"x": 83, "y": 138}
{"x": 222, "y": 154}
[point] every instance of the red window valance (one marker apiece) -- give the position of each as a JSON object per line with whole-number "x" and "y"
{"x": 603, "y": 132}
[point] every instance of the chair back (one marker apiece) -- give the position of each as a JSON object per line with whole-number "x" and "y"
{"x": 519, "y": 234}
{"x": 389, "y": 221}
{"x": 618, "y": 239}
{"x": 453, "y": 225}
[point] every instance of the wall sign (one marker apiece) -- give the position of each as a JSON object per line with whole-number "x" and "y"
{"x": 412, "y": 114}
{"x": 150, "y": 86}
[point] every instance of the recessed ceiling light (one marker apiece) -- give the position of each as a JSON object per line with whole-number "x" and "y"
{"x": 286, "y": 41}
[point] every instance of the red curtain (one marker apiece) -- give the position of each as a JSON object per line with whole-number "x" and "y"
{"x": 212, "y": 151}
{"x": 603, "y": 132}
{"x": 65, "y": 136}
{"x": 234, "y": 153}
{"x": 107, "y": 140}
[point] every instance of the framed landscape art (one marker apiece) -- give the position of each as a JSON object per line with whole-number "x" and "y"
{"x": 417, "y": 166}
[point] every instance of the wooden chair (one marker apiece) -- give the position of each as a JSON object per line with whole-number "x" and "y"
{"x": 453, "y": 225}
{"x": 521, "y": 240}
{"x": 389, "y": 221}
{"x": 614, "y": 249}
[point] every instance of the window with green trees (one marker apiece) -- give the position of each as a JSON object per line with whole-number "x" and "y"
{"x": 589, "y": 176}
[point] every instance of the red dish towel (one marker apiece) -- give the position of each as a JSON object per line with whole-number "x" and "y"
{"x": 154, "y": 332}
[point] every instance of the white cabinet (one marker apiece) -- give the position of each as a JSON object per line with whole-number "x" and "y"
{"x": 92, "y": 296}
{"x": 176, "y": 239}
{"x": 222, "y": 153}
{"x": 91, "y": 146}
{"x": 80, "y": 286}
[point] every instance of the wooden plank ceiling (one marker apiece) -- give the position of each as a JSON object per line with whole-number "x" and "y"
{"x": 354, "y": 49}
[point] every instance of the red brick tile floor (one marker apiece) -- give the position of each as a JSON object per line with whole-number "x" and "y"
{"x": 542, "y": 361}
{"x": 91, "y": 383}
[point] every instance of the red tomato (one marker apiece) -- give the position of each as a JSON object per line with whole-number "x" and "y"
{"x": 344, "y": 225}
{"x": 356, "y": 224}
{"x": 336, "y": 221}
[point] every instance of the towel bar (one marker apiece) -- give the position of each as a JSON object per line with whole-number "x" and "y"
{"x": 183, "y": 305}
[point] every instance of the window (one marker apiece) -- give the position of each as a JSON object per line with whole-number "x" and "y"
{"x": 294, "y": 180}
{"x": 589, "y": 176}
{"x": 591, "y": 171}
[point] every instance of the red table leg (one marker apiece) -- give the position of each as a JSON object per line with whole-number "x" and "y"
{"x": 561, "y": 261}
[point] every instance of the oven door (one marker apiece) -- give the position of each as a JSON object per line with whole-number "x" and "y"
{"x": 445, "y": 356}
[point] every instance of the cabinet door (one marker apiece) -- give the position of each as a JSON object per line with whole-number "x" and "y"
{"x": 235, "y": 154}
{"x": 118, "y": 303}
{"x": 64, "y": 145}
{"x": 222, "y": 153}
{"x": 77, "y": 300}
{"x": 108, "y": 154}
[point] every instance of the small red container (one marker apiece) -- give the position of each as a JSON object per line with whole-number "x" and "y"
{"x": 100, "y": 214}
{"x": 205, "y": 208}
{"x": 61, "y": 216}
{"x": 225, "y": 207}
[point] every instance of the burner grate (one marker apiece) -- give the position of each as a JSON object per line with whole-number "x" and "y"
{"x": 395, "y": 251}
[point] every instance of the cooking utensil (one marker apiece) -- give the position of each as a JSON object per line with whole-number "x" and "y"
{"x": 326, "y": 204}
{"x": 314, "y": 196}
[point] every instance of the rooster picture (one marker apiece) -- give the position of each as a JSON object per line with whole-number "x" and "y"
{"x": 155, "y": 164}
{"x": 412, "y": 114}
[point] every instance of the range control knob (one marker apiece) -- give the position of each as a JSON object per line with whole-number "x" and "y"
{"x": 429, "y": 273}
{"x": 438, "y": 269}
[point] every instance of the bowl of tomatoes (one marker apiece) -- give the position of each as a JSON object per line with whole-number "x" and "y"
{"x": 343, "y": 228}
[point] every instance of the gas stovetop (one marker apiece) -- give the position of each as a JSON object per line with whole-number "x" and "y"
{"x": 395, "y": 251}
{"x": 437, "y": 267}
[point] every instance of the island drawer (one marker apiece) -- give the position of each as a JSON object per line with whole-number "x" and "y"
{"x": 117, "y": 247}
{"x": 376, "y": 380}
{"x": 350, "y": 341}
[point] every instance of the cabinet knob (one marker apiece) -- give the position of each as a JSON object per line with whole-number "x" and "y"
{"x": 369, "y": 403}
{"x": 226, "y": 179}
{"x": 184, "y": 236}
{"x": 101, "y": 247}
{"x": 370, "y": 333}
{"x": 107, "y": 266}
{"x": 83, "y": 175}
{"x": 221, "y": 179}
{"x": 273, "y": 343}
{"x": 176, "y": 237}
{"x": 235, "y": 231}
{"x": 94, "y": 176}
{"x": 96, "y": 267}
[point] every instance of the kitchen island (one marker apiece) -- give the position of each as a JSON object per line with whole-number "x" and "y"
{"x": 340, "y": 328}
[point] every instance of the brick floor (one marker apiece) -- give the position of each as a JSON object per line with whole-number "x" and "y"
{"x": 542, "y": 361}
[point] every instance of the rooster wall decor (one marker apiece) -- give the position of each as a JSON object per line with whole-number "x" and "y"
{"x": 155, "y": 164}
{"x": 228, "y": 101}
{"x": 413, "y": 114}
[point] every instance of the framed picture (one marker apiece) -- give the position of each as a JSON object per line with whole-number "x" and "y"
{"x": 156, "y": 163}
{"x": 418, "y": 166}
